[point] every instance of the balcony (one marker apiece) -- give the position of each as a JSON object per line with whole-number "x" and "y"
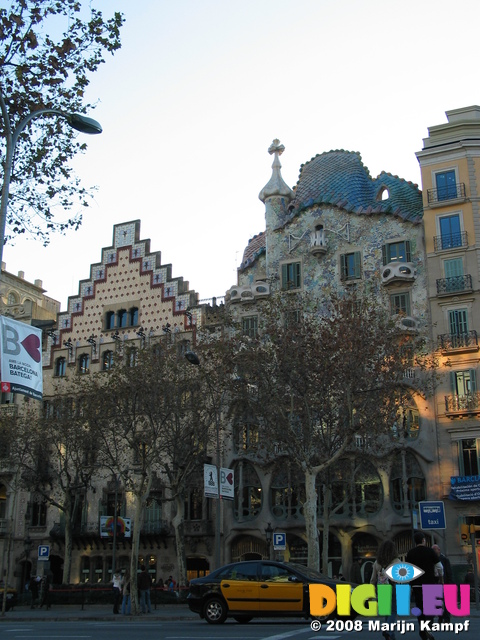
{"x": 198, "y": 528}
{"x": 462, "y": 406}
{"x": 454, "y": 286}
{"x": 446, "y": 194}
{"x": 458, "y": 342}
{"x": 450, "y": 241}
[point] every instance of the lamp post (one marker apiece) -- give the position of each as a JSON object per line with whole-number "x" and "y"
{"x": 192, "y": 357}
{"x": 268, "y": 538}
{"x": 75, "y": 120}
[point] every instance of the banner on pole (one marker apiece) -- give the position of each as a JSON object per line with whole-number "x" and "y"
{"x": 21, "y": 358}
{"x": 210, "y": 480}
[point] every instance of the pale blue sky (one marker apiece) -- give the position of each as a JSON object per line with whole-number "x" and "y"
{"x": 200, "y": 88}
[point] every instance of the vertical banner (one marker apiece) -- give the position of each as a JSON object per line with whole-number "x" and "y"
{"x": 20, "y": 358}
{"x": 227, "y": 484}
{"x": 210, "y": 480}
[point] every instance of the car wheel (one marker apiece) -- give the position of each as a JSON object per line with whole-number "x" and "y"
{"x": 242, "y": 619}
{"x": 215, "y": 611}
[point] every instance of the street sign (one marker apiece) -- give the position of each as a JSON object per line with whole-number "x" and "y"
{"x": 432, "y": 515}
{"x": 227, "y": 484}
{"x": 43, "y": 552}
{"x": 279, "y": 541}
{"x": 210, "y": 481}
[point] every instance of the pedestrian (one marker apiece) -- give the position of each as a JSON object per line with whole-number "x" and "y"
{"x": 45, "y": 589}
{"x": 117, "y": 591}
{"x": 447, "y": 577}
{"x": 34, "y": 590}
{"x": 356, "y": 573}
{"x": 426, "y": 559}
{"x": 386, "y": 555}
{"x": 144, "y": 585}
{"x": 126, "y": 600}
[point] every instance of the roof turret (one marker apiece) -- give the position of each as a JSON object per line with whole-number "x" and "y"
{"x": 276, "y": 186}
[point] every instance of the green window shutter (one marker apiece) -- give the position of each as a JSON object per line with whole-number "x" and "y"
{"x": 408, "y": 253}
{"x": 358, "y": 264}
{"x": 384, "y": 255}
{"x": 284, "y": 276}
{"x": 343, "y": 267}
{"x": 473, "y": 380}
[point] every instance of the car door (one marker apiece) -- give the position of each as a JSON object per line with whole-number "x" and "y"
{"x": 280, "y": 590}
{"x": 241, "y": 587}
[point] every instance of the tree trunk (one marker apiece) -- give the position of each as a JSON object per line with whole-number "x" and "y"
{"x": 327, "y": 501}
{"x": 67, "y": 514}
{"x": 139, "y": 508}
{"x": 178, "y": 525}
{"x": 310, "y": 515}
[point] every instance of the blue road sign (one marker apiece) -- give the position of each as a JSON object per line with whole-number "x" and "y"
{"x": 279, "y": 541}
{"x": 432, "y": 515}
{"x": 43, "y": 552}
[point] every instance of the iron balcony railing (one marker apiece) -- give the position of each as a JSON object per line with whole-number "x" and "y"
{"x": 448, "y": 341}
{"x": 456, "y": 284}
{"x": 450, "y": 241}
{"x": 449, "y": 192}
{"x": 470, "y": 402}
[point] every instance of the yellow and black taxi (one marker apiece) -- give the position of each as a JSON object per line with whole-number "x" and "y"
{"x": 254, "y": 588}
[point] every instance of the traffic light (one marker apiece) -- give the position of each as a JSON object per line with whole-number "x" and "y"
{"x": 465, "y": 531}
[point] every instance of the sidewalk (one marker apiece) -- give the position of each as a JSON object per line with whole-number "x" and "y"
{"x": 96, "y": 612}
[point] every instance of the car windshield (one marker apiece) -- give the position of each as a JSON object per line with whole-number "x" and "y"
{"x": 311, "y": 574}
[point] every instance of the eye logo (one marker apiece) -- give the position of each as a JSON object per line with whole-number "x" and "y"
{"x": 403, "y": 572}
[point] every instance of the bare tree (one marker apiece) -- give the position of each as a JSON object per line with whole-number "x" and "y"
{"x": 324, "y": 374}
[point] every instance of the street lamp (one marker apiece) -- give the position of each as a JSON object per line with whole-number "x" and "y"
{"x": 192, "y": 357}
{"x": 268, "y": 538}
{"x": 75, "y": 120}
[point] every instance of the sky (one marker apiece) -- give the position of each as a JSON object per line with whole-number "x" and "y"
{"x": 191, "y": 102}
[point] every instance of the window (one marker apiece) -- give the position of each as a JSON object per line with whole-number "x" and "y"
{"x": 410, "y": 474}
{"x": 131, "y": 357}
{"x": 407, "y": 424}
{"x": 122, "y": 318}
{"x": 107, "y": 360}
{"x": 193, "y": 504}
{"x": 458, "y": 323}
{"x": 287, "y": 495}
{"x": 247, "y": 437}
{"x": 133, "y": 316}
{"x": 450, "y": 231}
{"x": 291, "y": 276}
{"x": 468, "y": 450}
{"x": 152, "y": 520}
{"x": 250, "y": 326}
{"x": 110, "y": 320}
{"x": 37, "y": 511}
{"x": 83, "y": 363}
{"x": 446, "y": 185}
{"x": 248, "y": 492}
{"x": 12, "y": 298}
{"x": 60, "y": 367}
{"x": 400, "y": 303}
{"x": 454, "y": 280}
{"x": 351, "y": 266}
{"x": 3, "y": 504}
{"x": 396, "y": 252}
{"x": 464, "y": 383}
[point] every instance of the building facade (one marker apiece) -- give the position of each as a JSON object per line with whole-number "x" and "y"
{"x": 450, "y": 169}
{"x": 338, "y": 228}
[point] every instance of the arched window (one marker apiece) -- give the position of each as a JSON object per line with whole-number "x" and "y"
{"x": 133, "y": 316}
{"x": 248, "y": 492}
{"x": 60, "y": 367}
{"x": 287, "y": 494}
{"x": 406, "y": 473}
{"x": 12, "y": 298}
{"x": 107, "y": 360}
{"x": 352, "y": 488}
{"x": 131, "y": 357}
{"x": 83, "y": 363}
{"x": 407, "y": 424}
{"x": 109, "y": 320}
{"x": 121, "y": 318}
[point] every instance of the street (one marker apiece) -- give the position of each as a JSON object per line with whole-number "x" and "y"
{"x": 134, "y": 628}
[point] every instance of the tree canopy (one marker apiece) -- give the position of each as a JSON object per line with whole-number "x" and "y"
{"x": 48, "y": 51}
